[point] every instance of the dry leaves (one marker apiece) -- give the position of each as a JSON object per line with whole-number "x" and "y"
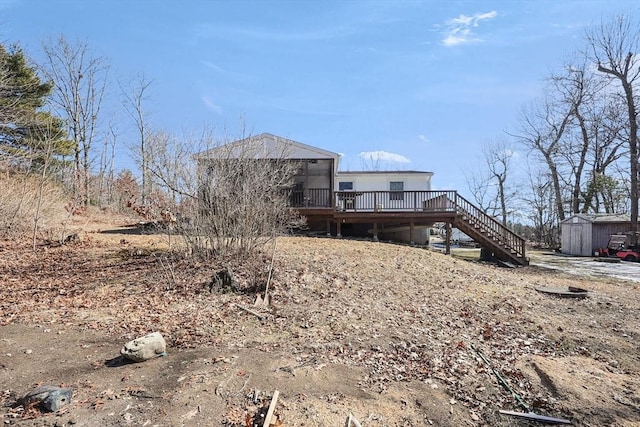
{"x": 403, "y": 313}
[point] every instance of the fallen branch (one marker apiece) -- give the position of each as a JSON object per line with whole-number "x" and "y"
{"x": 258, "y": 315}
{"x": 353, "y": 421}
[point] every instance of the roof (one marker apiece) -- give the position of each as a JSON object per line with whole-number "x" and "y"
{"x": 601, "y": 218}
{"x": 267, "y": 146}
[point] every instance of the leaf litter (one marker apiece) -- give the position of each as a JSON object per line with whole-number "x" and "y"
{"x": 396, "y": 315}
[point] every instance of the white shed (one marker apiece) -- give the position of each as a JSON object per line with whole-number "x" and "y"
{"x": 584, "y": 234}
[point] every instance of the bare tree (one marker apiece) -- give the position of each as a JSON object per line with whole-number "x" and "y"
{"x": 575, "y": 89}
{"x": 230, "y": 199}
{"x": 541, "y": 214}
{"x": 80, "y": 81}
{"x": 542, "y": 127}
{"x": 614, "y": 46}
{"x": 479, "y": 184}
{"x": 135, "y": 99}
{"x": 497, "y": 156}
{"x": 107, "y": 163}
{"x": 606, "y": 129}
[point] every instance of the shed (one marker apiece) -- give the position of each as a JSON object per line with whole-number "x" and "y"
{"x": 584, "y": 234}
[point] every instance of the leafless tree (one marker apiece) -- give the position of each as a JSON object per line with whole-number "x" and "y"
{"x": 479, "y": 184}
{"x": 135, "y": 98}
{"x": 107, "y": 164}
{"x": 608, "y": 147}
{"x": 541, "y": 213}
{"x": 542, "y": 127}
{"x": 576, "y": 89}
{"x": 614, "y": 47}
{"x": 230, "y": 198}
{"x": 80, "y": 81}
{"x": 497, "y": 156}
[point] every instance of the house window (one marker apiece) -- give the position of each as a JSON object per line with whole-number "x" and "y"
{"x": 397, "y": 190}
{"x": 345, "y": 185}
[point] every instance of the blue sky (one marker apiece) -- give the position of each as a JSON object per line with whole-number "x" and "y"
{"x": 421, "y": 84}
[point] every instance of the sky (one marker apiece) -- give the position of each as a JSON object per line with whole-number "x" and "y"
{"x": 411, "y": 85}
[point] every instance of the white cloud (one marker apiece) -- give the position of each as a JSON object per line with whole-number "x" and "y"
{"x": 423, "y": 138}
{"x": 211, "y": 105}
{"x": 383, "y": 156}
{"x": 459, "y": 30}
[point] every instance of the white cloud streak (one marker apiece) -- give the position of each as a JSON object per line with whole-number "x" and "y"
{"x": 211, "y": 105}
{"x": 383, "y": 156}
{"x": 459, "y": 30}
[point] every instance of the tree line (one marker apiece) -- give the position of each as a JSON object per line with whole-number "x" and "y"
{"x": 54, "y": 132}
{"x": 579, "y": 137}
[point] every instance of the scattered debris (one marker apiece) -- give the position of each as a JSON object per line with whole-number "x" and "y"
{"x": 267, "y": 298}
{"x": 71, "y": 238}
{"x": 570, "y": 292}
{"x": 248, "y": 310}
{"x": 536, "y": 417}
{"x": 223, "y": 280}
{"x": 505, "y": 264}
{"x": 609, "y": 260}
{"x": 49, "y": 398}
{"x": 530, "y": 415}
{"x": 145, "y": 348}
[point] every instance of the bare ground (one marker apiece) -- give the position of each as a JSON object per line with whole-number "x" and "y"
{"x": 388, "y": 333}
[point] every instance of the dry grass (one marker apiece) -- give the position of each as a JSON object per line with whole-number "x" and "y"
{"x": 25, "y": 201}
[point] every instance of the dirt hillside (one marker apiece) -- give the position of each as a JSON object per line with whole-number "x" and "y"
{"x": 391, "y": 334}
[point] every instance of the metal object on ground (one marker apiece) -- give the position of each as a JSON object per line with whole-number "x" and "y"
{"x": 535, "y": 417}
{"x": 49, "y": 398}
{"x": 529, "y": 414}
{"x": 569, "y": 292}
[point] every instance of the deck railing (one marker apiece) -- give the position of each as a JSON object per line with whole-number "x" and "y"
{"x": 489, "y": 226}
{"x": 394, "y": 201}
{"x": 468, "y": 216}
{"x": 310, "y": 198}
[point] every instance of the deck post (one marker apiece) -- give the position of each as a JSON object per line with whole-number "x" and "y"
{"x": 375, "y": 231}
{"x": 328, "y": 228}
{"x": 411, "y": 229}
{"x": 339, "y": 228}
{"x": 447, "y": 249}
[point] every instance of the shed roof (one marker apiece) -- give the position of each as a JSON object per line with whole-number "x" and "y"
{"x": 601, "y": 218}
{"x": 267, "y": 146}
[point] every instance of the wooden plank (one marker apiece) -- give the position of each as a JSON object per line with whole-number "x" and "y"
{"x": 272, "y": 408}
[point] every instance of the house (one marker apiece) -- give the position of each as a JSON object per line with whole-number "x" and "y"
{"x": 314, "y": 180}
{"x": 318, "y": 175}
{"x": 584, "y": 234}
{"x": 348, "y": 202}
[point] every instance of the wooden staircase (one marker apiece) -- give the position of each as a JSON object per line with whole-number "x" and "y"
{"x": 485, "y": 230}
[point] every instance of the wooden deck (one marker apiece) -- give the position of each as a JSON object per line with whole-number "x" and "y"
{"x": 413, "y": 208}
